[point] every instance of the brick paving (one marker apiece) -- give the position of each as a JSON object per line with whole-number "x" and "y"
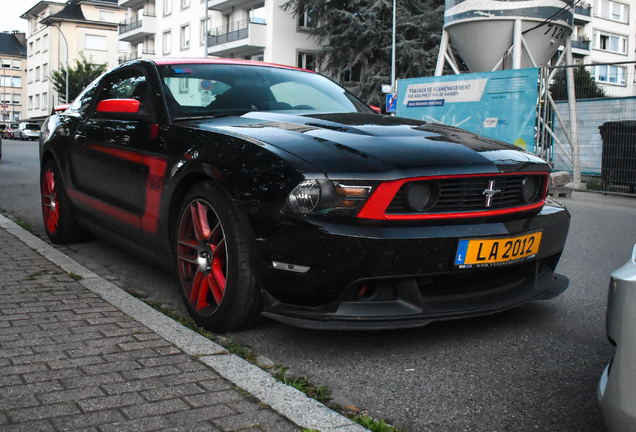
{"x": 69, "y": 361}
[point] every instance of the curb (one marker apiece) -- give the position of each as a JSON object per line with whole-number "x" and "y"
{"x": 291, "y": 403}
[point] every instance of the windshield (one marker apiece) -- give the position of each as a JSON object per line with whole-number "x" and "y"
{"x": 199, "y": 90}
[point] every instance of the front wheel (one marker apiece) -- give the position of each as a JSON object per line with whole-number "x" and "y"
{"x": 218, "y": 285}
{"x": 57, "y": 210}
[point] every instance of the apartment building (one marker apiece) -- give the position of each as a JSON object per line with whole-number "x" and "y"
{"x": 605, "y": 32}
{"x": 13, "y": 54}
{"x": 57, "y": 33}
{"x": 247, "y": 29}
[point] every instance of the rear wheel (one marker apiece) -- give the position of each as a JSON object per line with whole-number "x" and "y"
{"x": 57, "y": 210}
{"x": 218, "y": 285}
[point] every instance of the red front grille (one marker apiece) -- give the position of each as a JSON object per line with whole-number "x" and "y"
{"x": 456, "y": 197}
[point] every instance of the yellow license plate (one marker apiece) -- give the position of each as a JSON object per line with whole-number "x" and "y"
{"x": 497, "y": 251}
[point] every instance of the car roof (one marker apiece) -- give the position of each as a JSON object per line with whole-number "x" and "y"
{"x": 218, "y": 60}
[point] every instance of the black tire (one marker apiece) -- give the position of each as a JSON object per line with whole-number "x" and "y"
{"x": 57, "y": 209}
{"x": 218, "y": 285}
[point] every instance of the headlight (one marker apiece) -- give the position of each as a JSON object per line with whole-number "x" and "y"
{"x": 305, "y": 197}
{"x": 325, "y": 196}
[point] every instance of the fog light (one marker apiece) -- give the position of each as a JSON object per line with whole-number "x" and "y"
{"x": 529, "y": 189}
{"x": 421, "y": 196}
{"x": 304, "y": 198}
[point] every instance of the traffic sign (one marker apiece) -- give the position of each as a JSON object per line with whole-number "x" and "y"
{"x": 391, "y": 102}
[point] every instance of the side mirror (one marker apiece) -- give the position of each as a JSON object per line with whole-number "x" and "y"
{"x": 121, "y": 109}
{"x": 376, "y": 109}
{"x": 118, "y": 106}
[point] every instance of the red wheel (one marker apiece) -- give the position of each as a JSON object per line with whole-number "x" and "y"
{"x": 217, "y": 284}
{"x": 202, "y": 257}
{"x": 50, "y": 210}
{"x": 57, "y": 210}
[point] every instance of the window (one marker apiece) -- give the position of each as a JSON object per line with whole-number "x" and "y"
{"x": 37, "y": 101}
{"x": 30, "y": 49}
{"x": 93, "y": 42}
{"x": 38, "y": 44}
{"x": 127, "y": 84}
{"x": 123, "y": 46}
{"x": 45, "y": 101}
{"x": 307, "y": 61}
{"x": 305, "y": 20}
{"x": 185, "y": 36}
{"x": 354, "y": 74}
{"x": 17, "y": 99}
{"x": 167, "y": 42}
{"x": 5, "y": 63}
{"x": 45, "y": 43}
{"x": 16, "y": 82}
{"x": 45, "y": 72}
{"x": 30, "y": 76}
{"x": 609, "y": 74}
{"x": 17, "y": 64}
{"x": 167, "y": 7}
{"x": 106, "y": 16}
{"x": 37, "y": 73}
{"x": 30, "y": 106}
{"x": 611, "y": 10}
{"x": 203, "y": 30}
{"x": 610, "y": 42}
{"x": 185, "y": 4}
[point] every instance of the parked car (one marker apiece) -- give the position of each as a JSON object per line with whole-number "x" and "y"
{"x": 617, "y": 386}
{"x": 2, "y": 128}
{"x": 0, "y": 147}
{"x": 28, "y": 131}
{"x": 10, "y": 130}
{"x": 272, "y": 188}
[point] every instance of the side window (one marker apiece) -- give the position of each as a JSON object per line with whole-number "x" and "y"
{"x": 128, "y": 84}
{"x": 82, "y": 102}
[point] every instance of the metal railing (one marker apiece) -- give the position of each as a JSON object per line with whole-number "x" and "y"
{"x": 581, "y": 44}
{"x": 583, "y": 10}
{"x": 605, "y": 97}
{"x": 132, "y": 23}
{"x": 134, "y": 56}
{"x": 233, "y": 31}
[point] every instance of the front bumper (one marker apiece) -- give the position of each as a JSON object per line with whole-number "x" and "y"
{"x": 363, "y": 277}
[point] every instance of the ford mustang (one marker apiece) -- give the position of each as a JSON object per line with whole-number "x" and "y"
{"x": 272, "y": 190}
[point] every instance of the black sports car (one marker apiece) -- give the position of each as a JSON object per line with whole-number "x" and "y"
{"x": 272, "y": 189}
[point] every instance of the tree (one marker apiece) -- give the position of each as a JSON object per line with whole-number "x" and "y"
{"x": 584, "y": 84}
{"x": 84, "y": 72}
{"x": 358, "y": 34}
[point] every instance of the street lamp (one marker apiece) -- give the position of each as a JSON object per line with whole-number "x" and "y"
{"x": 393, "y": 89}
{"x": 66, "y": 43}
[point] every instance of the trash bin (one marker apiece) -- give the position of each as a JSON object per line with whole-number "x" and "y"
{"x": 618, "y": 158}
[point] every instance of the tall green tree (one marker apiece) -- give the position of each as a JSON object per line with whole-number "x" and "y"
{"x": 79, "y": 76}
{"x": 357, "y": 34}
{"x": 585, "y": 86}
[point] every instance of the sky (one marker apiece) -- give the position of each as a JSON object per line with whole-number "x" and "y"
{"x": 10, "y": 11}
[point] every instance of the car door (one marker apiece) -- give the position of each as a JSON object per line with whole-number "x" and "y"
{"x": 113, "y": 178}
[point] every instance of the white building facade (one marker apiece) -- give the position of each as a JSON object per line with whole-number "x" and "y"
{"x": 246, "y": 29}
{"x": 61, "y": 32}
{"x": 605, "y": 32}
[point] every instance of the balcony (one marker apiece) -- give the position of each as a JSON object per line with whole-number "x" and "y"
{"x": 582, "y": 14}
{"x": 241, "y": 38}
{"x": 136, "y": 55}
{"x": 137, "y": 28}
{"x": 581, "y": 47}
{"x": 133, "y": 4}
{"x": 227, "y": 6}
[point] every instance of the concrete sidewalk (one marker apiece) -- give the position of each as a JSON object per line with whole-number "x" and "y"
{"x": 79, "y": 354}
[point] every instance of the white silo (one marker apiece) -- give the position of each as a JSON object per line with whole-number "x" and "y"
{"x": 514, "y": 34}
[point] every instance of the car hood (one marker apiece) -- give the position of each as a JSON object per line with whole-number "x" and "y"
{"x": 353, "y": 144}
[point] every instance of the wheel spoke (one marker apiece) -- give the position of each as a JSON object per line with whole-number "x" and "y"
{"x": 200, "y": 289}
{"x": 200, "y": 221}
{"x": 218, "y": 265}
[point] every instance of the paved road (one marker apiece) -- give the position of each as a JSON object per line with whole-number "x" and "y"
{"x": 532, "y": 368}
